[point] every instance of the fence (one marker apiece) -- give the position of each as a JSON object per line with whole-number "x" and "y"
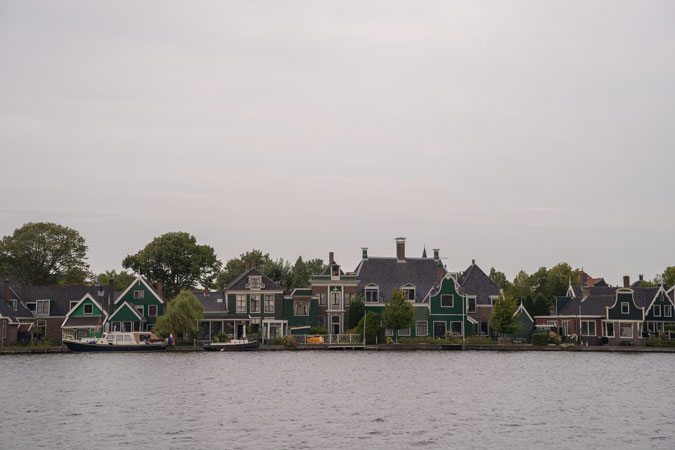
{"x": 328, "y": 339}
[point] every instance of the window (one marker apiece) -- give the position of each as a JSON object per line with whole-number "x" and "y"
{"x": 138, "y": 295}
{"x": 255, "y": 303}
{"x": 255, "y": 282}
{"x": 421, "y": 328}
{"x": 409, "y": 293}
{"x": 88, "y": 308}
{"x": 624, "y": 308}
{"x": 447, "y": 300}
{"x": 12, "y": 305}
{"x": 388, "y": 332}
{"x": 140, "y": 310}
{"x": 241, "y": 303}
{"x": 471, "y": 305}
{"x": 322, "y": 299}
{"x": 42, "y": 308}
{"x": 660, "y": 327}
{"x": 456, "y": 328}
{"x": 269, "y": 303}
{"x": 626, "y": 330}
{"x": 484, "y": 328}
{"x": 493, "y": 300}
{"x": 301, "y": 308}
{"x": 566, "y": 327}
{"x": 588, "y": 328}
{"x": 553, "y": 323}
{"x": 335, "y": 271}
{"x": 32, "y": 306}
{"x": 72, "y": 304}
{"x": 335, "y": 299}
{"x": 372, "y": 295}
{"x": 657, "y": 311}
{"x": 152, "y": 310}
{"x": 609, "y": 329}
{"x": 667, "y": 311}
{"x": 404, "y": 332}
{"x": 650, "y": 327}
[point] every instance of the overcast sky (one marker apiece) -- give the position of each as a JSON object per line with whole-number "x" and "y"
{"x": 519, "y": 133}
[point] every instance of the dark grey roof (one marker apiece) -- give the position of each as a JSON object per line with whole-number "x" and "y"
{"x": 61, "y": 296}
{"x": 601, "y": 296}
{"x": 84, "y": 321}
{"x": 390, "y": 274}
{"x": 239, "y": 283}
{"x": 7, "y": 311}
{"x": 210, "y": 302}
{"x": 475, "y": 282}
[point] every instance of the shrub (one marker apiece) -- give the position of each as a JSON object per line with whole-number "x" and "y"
{"x": 317, "y": 330}
{"x": 289, "y": 341}
{"x": 222, "y": 337}
{"x": 275, "y": 341}
{"x": 479, "y": 340}
{"x": 418, "y": 340}
{"x": 540, "y": 339}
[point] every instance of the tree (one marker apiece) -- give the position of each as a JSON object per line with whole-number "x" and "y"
{"x": 528, "y": 303}
{"x": 45, "y": 253}
{"x": 542, "y": 307}
{"x": 121, "y": 279}
{"x": 302, "y": 271}
{"x": 374, "y": 331}
{"x": 499, "y": 278}
{"x": 356, "y": 311}
{"x": 558, "y": 280}
{"x": 521, "y": 286}
{"x": 236, "y": 266}
{"x": 177, "y": 261}
{"x": 398, "y": 312}
{"x": 502, "y": 320}
{"x": 183, "y": 314}
{"x": 538, "y": 281}
{"x": 669, "y": 276}
{"x": 279, "y": 271}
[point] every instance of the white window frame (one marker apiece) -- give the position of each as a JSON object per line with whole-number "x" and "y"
{"x": 37, "y": 307}
{"x": 267, "y": 303}
{"x": 622, "y": 328}
{"x": 461, "y": 328}
{"x": 371, "y": 291}
{"x": 468, "y": 303}
{"x": 335, "y": 293}
{"x": 406, "y": 291}
{"x": 452, "y": 302}
{"x": 667, "y": 310}
{"x": 417, "y": 328}
{"x": 150, "y": 313}
{"x": 434, "y": 327}
{"x": 84, "y": 308}
{"x": 656, "y": 311}
{"x": 388, "y": 332}
{"x": 627, "y": 308}
{"x": 588, "y": 328}
{"x": 4, "y": 328}
{"x": 255, "y": 283}
{"x": 255, "y": 299}
{"x": 404, "y": 332}
{"x": 566, "y": 327}
{"x": 140, "y": 309}
{"x": 322, "y": 298}
{"x": 303, "y": 306}
{"x": 606, "y": 324}
{"x": 139, "y": 294}
{"x": 240, "y": 304}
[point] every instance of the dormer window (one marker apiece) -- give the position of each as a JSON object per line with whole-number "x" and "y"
{"x": 624, "y": 308}
{"x": 88, "y": 308}
{"x": 255, "y": 283}
{"x": 372, "y": 294}
{"x": 335, "y": 271}
{"x": 409, "y": 292}
{"x": 12, "y": 305}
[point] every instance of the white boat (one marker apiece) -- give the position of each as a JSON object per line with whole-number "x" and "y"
{"x": 117, "y": 342}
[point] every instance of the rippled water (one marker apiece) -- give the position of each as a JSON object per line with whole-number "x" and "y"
{"x": 341, "y": 400}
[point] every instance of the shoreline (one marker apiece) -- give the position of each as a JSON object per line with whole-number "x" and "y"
{"x": 384, "y": 348}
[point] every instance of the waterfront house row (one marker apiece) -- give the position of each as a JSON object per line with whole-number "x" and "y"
{"x": 611, "y": 315}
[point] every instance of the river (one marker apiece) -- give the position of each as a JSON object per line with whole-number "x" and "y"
{"x": 338, "y": 400}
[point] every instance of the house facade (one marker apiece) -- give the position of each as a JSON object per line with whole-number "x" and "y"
{"x": 85, "y": 318}
{"x": 136, "y": 308}
{"x": 481, "y": 294}
{"x": 447, "y": 312}
{"x": 333, "y": 290}
{"x": 659, "y": 312}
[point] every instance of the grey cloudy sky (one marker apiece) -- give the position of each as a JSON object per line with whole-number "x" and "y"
{"x": 519, "y": 133}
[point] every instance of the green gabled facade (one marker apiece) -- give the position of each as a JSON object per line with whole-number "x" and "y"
{"x": 145, "y": 302}
{"x": 85, "y": 318}
{"x": 301, "y": 310}
{"x": 525, "y": 324}
{"x": 447, "y": 311}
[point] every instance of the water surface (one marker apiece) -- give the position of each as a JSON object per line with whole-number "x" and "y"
{"x": 338, "y": 400}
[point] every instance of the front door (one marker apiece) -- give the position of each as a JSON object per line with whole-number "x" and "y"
{"x": 240, "y": 331}
{"x": 335, "y": 325}
{"x": 439, "y": 329}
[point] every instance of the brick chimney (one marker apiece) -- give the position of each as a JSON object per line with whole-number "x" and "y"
{"x": 583, "y": 278}
{"x": 111, "y": 295}
{"x": 364, "y": 252}
{"x": 253, "y": 264}
{"x": 331, "y": 257}
{"x": 206, "y": 291}
{"x": 247, "y": 266}
{"x": 7, "y": 290}
{"x": 400, "y": 249}
{"x": 626, "y": 281}
{"x": 160, "y": 289}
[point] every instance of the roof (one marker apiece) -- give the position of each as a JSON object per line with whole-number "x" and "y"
{"x": 7, "y": 312}
{"x": 61, "y": 296}
{"x": 210, "y": 301}
{"x": 83, "y": 321}
{"x": 475, "y": 282}
{"x": 239, "y": 283}
{"x": 301, "y": 292}
{"x": 389, "y": 274}
{"x": 327, "y": 270}
{"x": 600, "y": 297}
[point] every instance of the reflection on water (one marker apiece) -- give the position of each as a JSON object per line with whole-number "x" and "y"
{"x": 341, "y": 400}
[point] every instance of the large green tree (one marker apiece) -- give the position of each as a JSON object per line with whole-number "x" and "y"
{"x": 183, "y": 314}
{"x": 669, "y": 276}
{"x": 398, "y": 312}
{"x": 121, "y": 279}
{"x": 521, "y": 286}
{"x": 279, "y": 271}
{"x": 45, "y": 253}
{"x": 502, "y": 320}
{"x": 236, "y": 266}
{"x": 499, "y": 278}
{"x": 558, "y": 279}
{"x": 356, "y": 311}
{"x": 303, "y": 270}
{"x": 374, "y": 331}
{"x": 177, "y": 261}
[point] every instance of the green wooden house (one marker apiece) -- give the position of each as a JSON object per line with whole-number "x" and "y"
{"x": 525, "y": 324}
{"x": 447, "y": 311}
{"x": 301, "y": 311}
{"x": 84, "y": 318}
{"x": 137, "y": 308}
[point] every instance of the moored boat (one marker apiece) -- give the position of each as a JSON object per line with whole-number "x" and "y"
{"x": 117, "y": 342}
{"x": 232, "y": 346}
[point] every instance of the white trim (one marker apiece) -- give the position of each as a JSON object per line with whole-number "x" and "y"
{"x": 656, "y": 296}
{"x": 426, "y": 325}
{"x": 90, "y": 297}
{"x": 142, "y": 280}
{"x": 131, "y": 307}
{"x": 522, "y": 308}
{"x": 595, "y": 331}
{"x": 452, "y": 305}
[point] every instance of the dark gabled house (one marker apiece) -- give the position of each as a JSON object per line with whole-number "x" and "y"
{"x": 481, "y": 293}
{"x": 658, "y": 305}
{"x": 217, "y": 318}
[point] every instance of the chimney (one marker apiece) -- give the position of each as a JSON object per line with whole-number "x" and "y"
{"x": 436, "y": 254}
{"x": 626, "y": 281}
{"x": 7, "y": 290}
{"x": 400, "y": 249}
{"x": 331, "y": 257}
{"x": 641, "y": 277}
{"x": 111, "y": 295}
{"x": 364, "y": 252}
{"x": 585, "y": 291}
{"x": 247, "y": 266}
{"x": 253, "y": 264}
{"x": 160, "y": 289}
{"x": 583, "y": 278}
{"x": 206, "y": 290}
